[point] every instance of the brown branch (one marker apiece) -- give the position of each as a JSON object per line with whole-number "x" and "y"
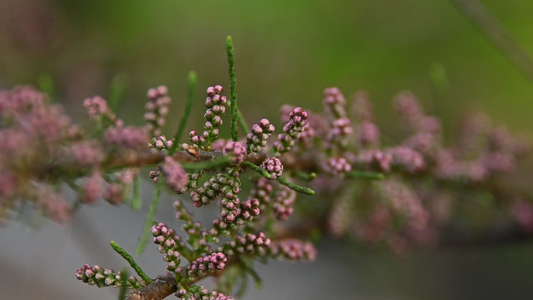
{"x": 157, "y": 290}
{"x": 120, "y": 159}
{"x": 165, "y": 286}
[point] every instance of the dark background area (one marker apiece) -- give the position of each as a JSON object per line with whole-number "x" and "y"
{"x": 287, "y": 52}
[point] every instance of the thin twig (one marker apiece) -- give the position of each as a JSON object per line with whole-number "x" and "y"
{"x": 123, "y": 284}
{"x": 298, "y": 188}
{"x": 150, "y": 217}
{"x": 233, "y": 89}
{"x": 366, "y": 175}
{"x": 122, "y": 252}
{"x": 259, "y": 170}
{"x": 496, "y": 33}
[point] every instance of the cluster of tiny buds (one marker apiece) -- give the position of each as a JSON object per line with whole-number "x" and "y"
{"x": 230, "y": 211}
{"x": 20, "y": 99}
{"x": 235, "y": 212}
{"x": 196, "y": 139}
{"x": 154, "y": 174}
{"x": 161, "y": 143}
{"x": 368, "y": 134}
{"x": 273, "y": 166}
{"x": 104, "y": 277}
{"x": 98, "y": 109}
{"x": 337, "y": 166}
{"x": 407, "y": 159}
{"x": 283, "y": 203}
{"x": 114, "y": 193}
{"x": 215, "y": 104}
{"x": 340, "y": 130}
{"x": 201, "y": 294}
{"x": 450, "y": 168}
{"x": 156, "y": 109}
{"x": 92, "y": 189}
{"x": 221, "y": 183}
{"x": 370, "y": 158}
{"x": 294, "y": 249}
{"x": 86, "y": 153}
{"x": 128, "y": 137}
{"x": 292, "y": 130}
{"x": 261, "y": 191}
{"x": 168, "y": 242}
{"x": 207, "y": 264}
{"x": 175, "y": 176}
{"x": 334, "y": 102}
{"x": 249, "y": 209}
{"x": 408, "y": 107}
{"x": 257, "y": 139}
{"x": 251, "y": 243}
{"x": 236, "y": 151}
{"x": 166, "y": 238}
{"x": 173, "y": 258}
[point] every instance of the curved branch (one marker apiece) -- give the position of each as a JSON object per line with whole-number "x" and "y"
{"x": 159, "y": 289}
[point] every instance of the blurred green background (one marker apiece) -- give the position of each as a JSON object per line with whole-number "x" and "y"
{"x": 287, "y": 51}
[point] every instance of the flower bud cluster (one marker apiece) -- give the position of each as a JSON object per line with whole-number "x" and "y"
{"x": 198, "y": 238}
{"x": 292, "y": 130}
{"x": 85, "y": 153}
{"x": 52, "y": 204}
{"x": 227, "y": 184}
{"x": 450, "y": 167}
{"x": 340, "y": 128}
{"x": 340, "y": 131}
{"x": 257, "y": 139}
{"x": 273, "y": 166}
{"x": 196, "y": 139}
{"x": 334, "y": 103}
{"x": 200, "y": 293}
{"x": 156, "y": 109}
{"x": 99, "y": 111}
{"x": 426, "y": 129}
{"x": 216, "y": 106}
{"x": 92, "y": 188}
{"x": 119, "y": 183}
{"x": 368, "y": 134}
{"x": 404, "y": 200}
{"x": 236, "y": 151}
{"x": 337, "y": 166}
{"x": 21, "y": 100}
{"x": 126, "y": 137}
{"x": 192, "y": 183}
{"x": 283, "y": 203}
{"x": 231, "y": 209}
{"x": 250, "y": 244}
{"x": 262, "y": 191}
{"x": 341, "y": 215}
{"x": 249, "y": 210}
{"x": 407, "y": 159}
{"x": 114, "y": 193}
{"x": 373, "y": 159}
{"x": 95, "y": 275}
{"x": 169, "y": 244}
{"x": 293, "y": 249}
{"x": 408, "y": 107}
{"x": 207, "y": 264}
{"x": 161, "y": 143}
{"x": 175, "y": 176}
{"x": 316, "y": 126}
{"x": 182, "y": 213}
